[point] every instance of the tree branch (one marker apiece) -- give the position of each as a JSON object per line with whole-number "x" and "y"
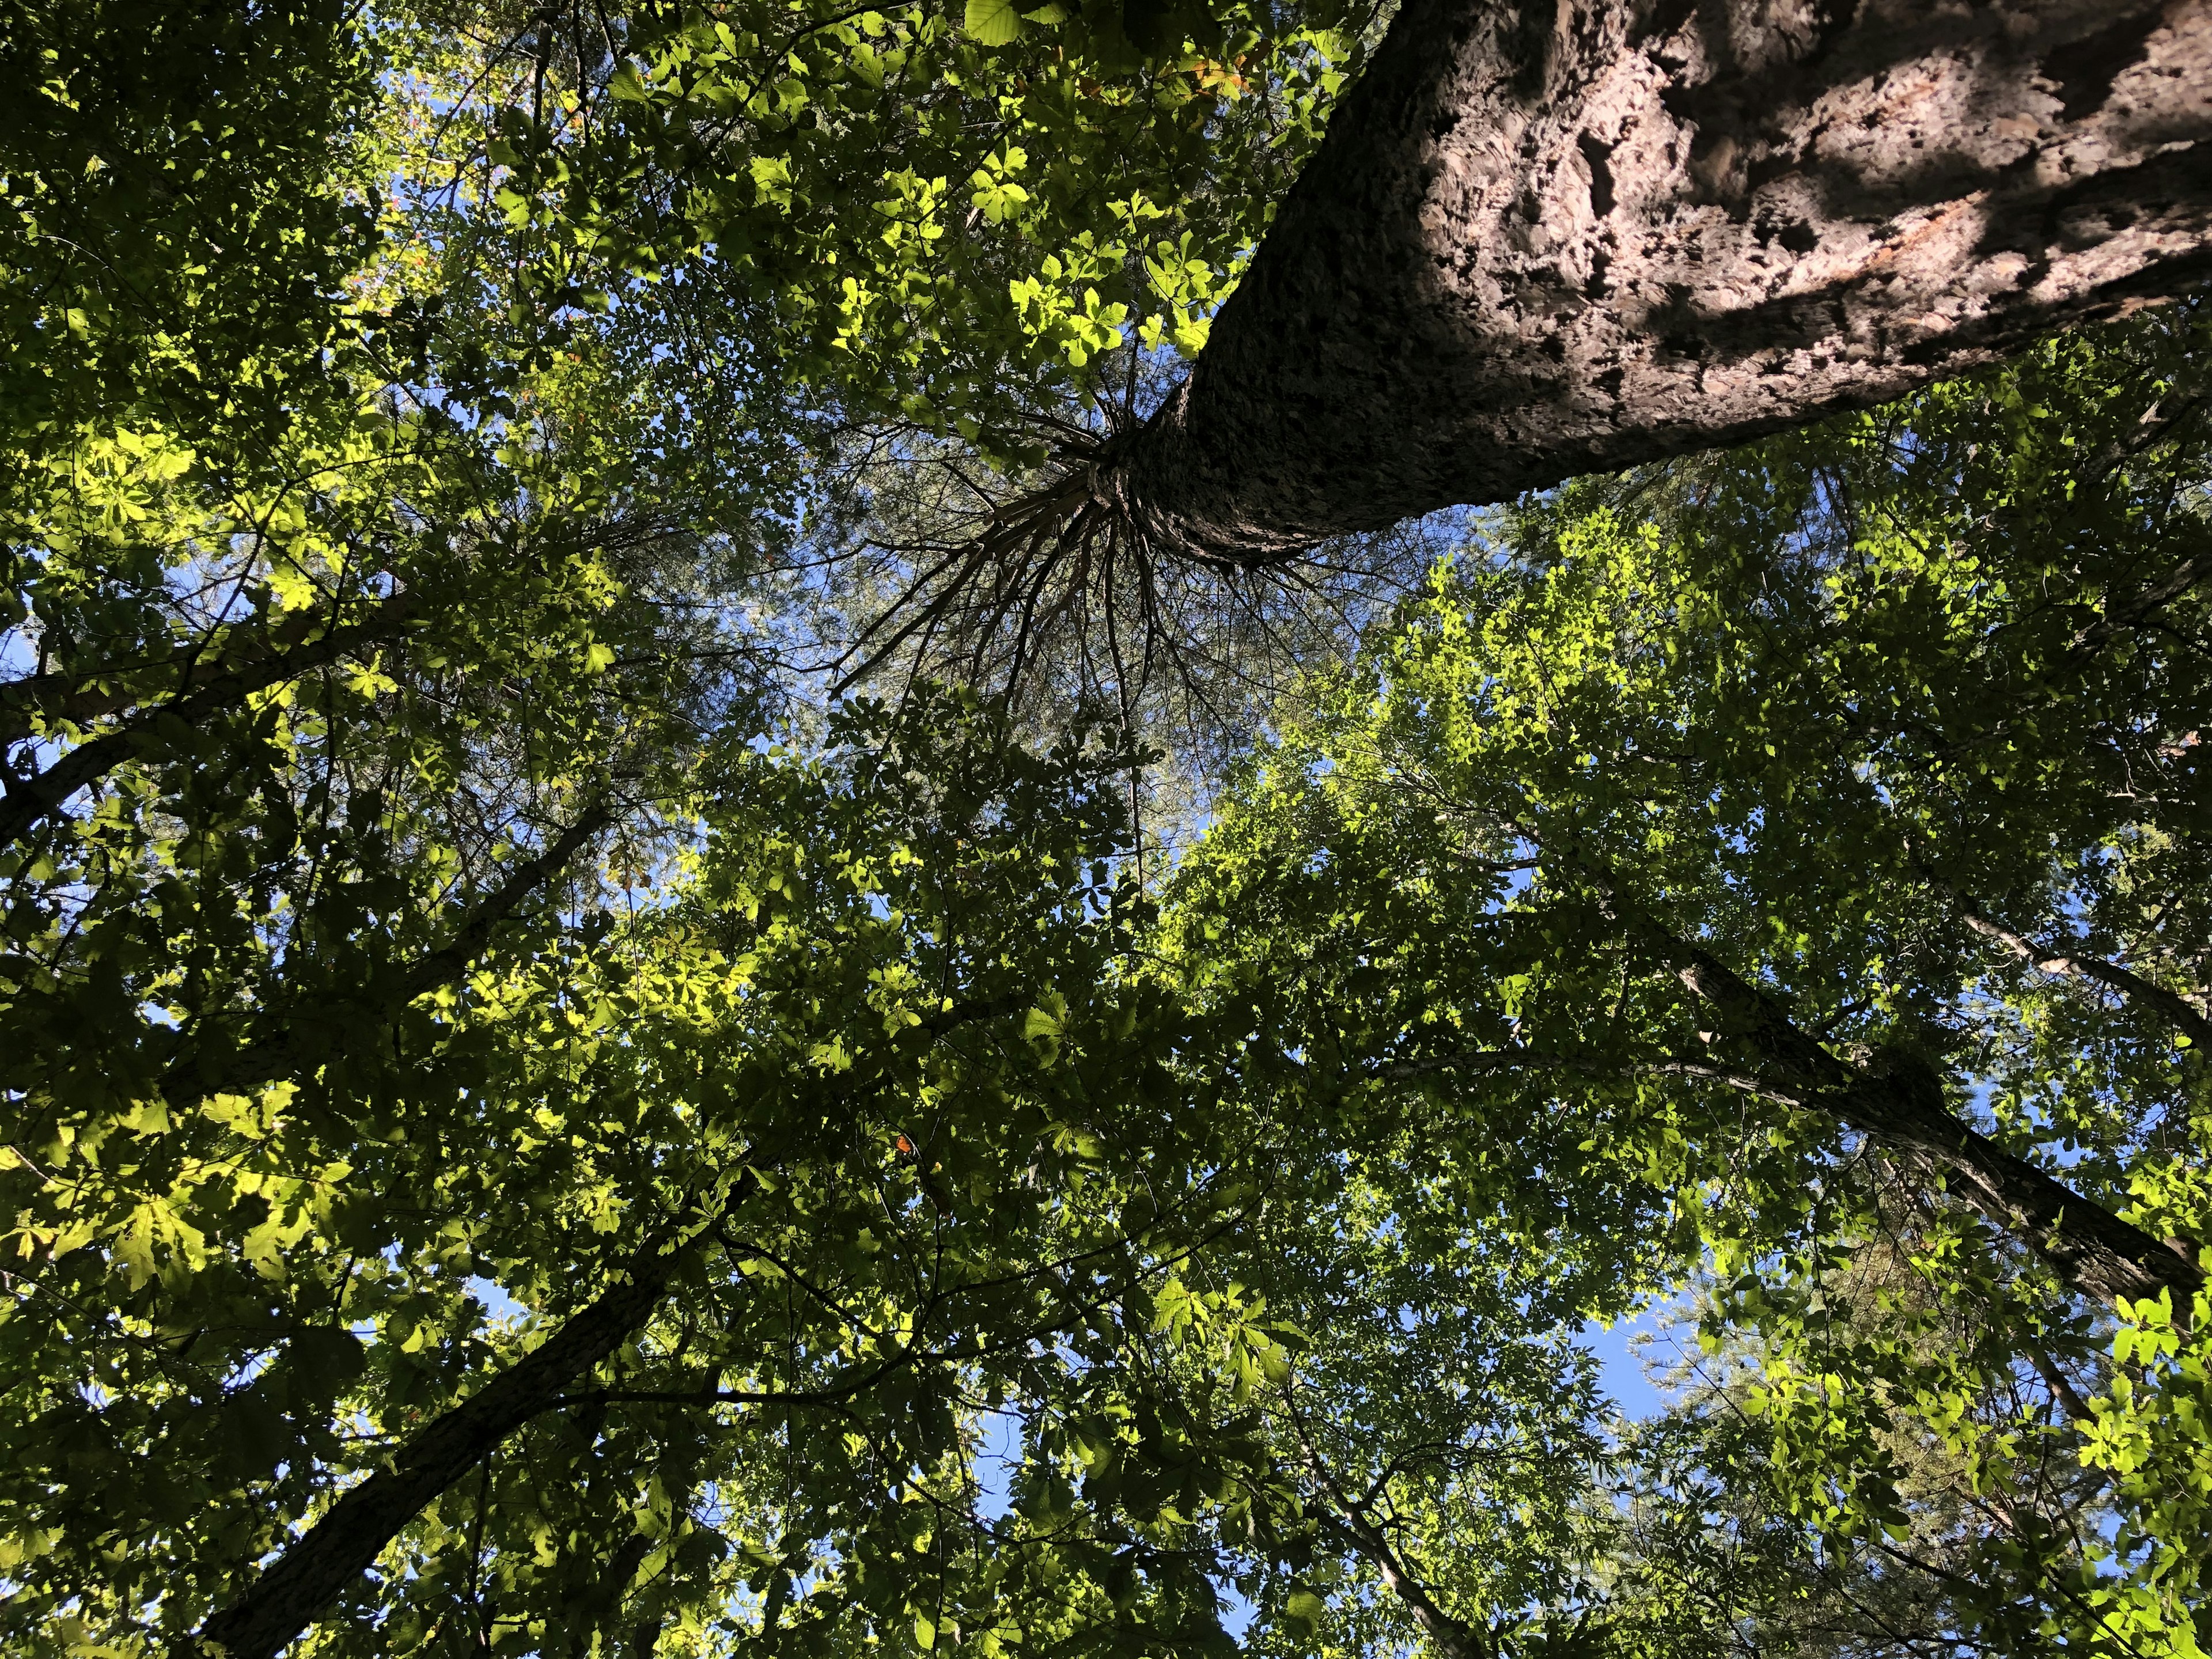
{"x": 1453, "y": 1638}
{"x": 273, "y": 1058}
{"x": 2129, "y": 984}
{"x": 77, "y": 698}
{"x": 469, "y": 939}
{"x": 1903, "y": 1109}
{"x": 311, "y": 1570}
{"x": 29, "y": 801}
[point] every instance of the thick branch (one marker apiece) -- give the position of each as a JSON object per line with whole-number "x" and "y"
{"x": 2175, "y": 1009}
{"x": 1904, "y": 1109}
{"x": 437, "y": 967}
{"x": 203, "y": 694}
{"x": 1454, "y": 1638}
{"x": 1550, "y": 237}
{"x": 114, "y": 687}
{"x": 317, "y": 1566}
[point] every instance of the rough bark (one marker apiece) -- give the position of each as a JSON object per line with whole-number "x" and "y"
{"x": 311, "y": 1572}
{"x": 1550, "y": 237}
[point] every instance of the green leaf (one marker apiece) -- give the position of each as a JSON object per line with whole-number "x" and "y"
{"x": 994, "y": 22}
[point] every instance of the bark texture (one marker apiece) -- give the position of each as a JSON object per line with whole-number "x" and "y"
{"x": 1552, "y": 237}
{"x": 302, "y": 1582}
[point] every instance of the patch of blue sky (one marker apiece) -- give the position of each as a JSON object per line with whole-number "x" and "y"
{"x": 1620, "y": 1357}
{"x": 1235, "y": 1613}
{"x": 996, "y": 1458}
{"x": 1636, "y": 1352}
{"x": 496, "y": 1301}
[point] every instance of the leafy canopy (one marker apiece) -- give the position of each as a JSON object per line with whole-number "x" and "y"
{"x": 446, "y": 965}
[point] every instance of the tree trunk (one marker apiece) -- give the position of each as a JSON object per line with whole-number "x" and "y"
{"x": 1552, "y": 237}
{"x": 1352, "y": 1522}
{"x": 1454, "y": 1639}
{"x": 201, "y": 696}
{"x": 315, "y": 1567}
{"x": 1902, "y": 1109}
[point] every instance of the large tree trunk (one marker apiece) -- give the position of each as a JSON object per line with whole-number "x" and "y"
{"x": 1550, "y": 237}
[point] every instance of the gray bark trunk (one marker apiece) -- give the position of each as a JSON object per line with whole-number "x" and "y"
{"x": 1904, "y": 1110}
{"x": 1552, "y": 237}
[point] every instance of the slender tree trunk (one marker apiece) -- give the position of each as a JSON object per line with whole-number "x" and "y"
{"x": 1454, "y": 1639}
{"x": 601, "y": 1614}
{"x": 296, "y": 1588}
{"x": 29, "y": 801}
{"x": 1903, "y": 1109}
{"x": 1353, "y": 1524}
{"x": 1550, "y": 237}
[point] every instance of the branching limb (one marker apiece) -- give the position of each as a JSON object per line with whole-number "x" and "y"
{"x": 2175, "y": 1008}
{"x": 310, "y": 1572}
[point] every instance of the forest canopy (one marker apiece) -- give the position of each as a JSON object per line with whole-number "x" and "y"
{"x": 677, "y": 977}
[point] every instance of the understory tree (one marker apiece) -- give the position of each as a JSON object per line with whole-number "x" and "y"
{"x": 862, "y": 1123}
